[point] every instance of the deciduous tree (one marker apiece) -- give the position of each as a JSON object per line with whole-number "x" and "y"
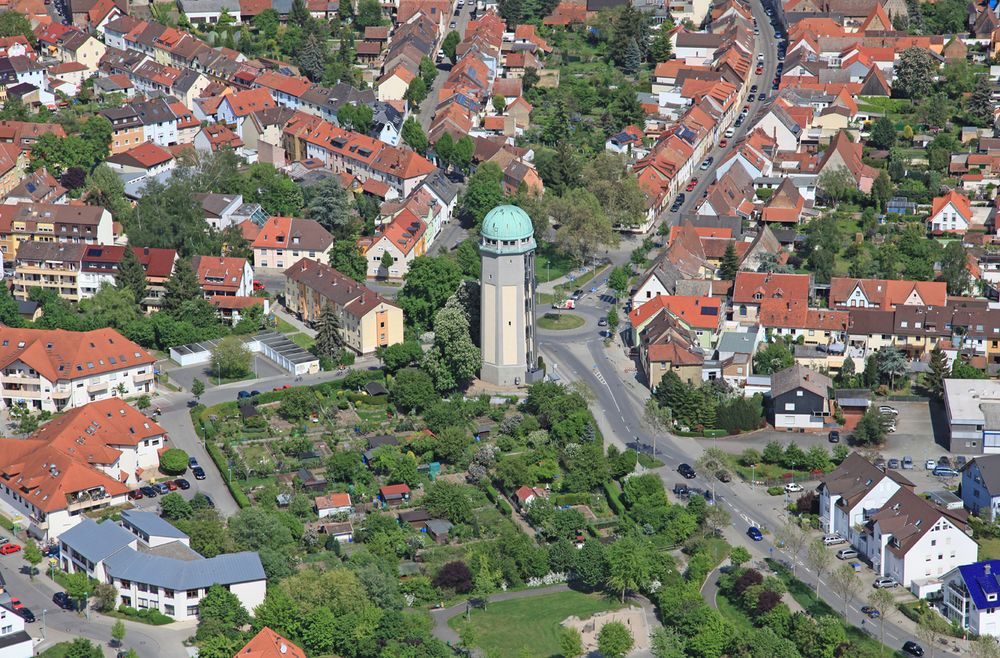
{"x": 614, "y": 640}
{"x": 414, "y": 135}
{"x": 914, "y": 73}
{"x": 344, "y": 258}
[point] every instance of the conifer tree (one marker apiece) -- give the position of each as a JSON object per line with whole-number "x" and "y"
{"x": 130, "y": 275}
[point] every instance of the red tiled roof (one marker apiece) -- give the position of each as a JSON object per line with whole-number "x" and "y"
{"x": 752, "y": 287}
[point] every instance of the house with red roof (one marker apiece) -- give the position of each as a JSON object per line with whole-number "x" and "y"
{"x": 147, "y": 158}
{"x": 216, "y": 136}
{"x": 284, "y": 241}
{"x": 845, "y": 154}
{"x": 332, "y": 504}
{"x": 526, "y": 495}
{"x": 886, "y": 294}
{"x": 235, "y": 109}
{"x": 566, "y": 14}
{"x": 268, "y": 644}
{"x": 223, "y": 276}
{"x": 752, "y": 288}
{"x": 393, "y": 85}
{"x": 785, "y": 205}
{"x": 394, "y": 495}
{"x": 286, "y": 90}
{"x": 950, "y": 213}
{"x": 390, "y": 252}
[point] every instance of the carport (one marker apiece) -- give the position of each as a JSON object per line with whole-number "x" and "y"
{"x": 853, "y": 403}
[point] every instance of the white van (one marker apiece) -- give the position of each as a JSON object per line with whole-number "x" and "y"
{"x": 846, "y": 554}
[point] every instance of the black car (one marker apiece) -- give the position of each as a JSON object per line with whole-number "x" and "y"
{"x": 686, "y": 471}
{"x": 148, "y": 491}
{"x": 27, "y": 615}
{"x": 761, "y": 97}
{"x": 913, "y": 648}
{"x": 834, "y": 436}
{"x": 254, "y": 393}
{"x": 183, "y": 484}
{"x": 753, "y": 89}
{"x": 681, "y": 490}
{"x": 199, "y": 473}
{"x": 63, "y": 600}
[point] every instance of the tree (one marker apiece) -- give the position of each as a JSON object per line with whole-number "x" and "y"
{"x": 174, "y": 508}
{"x": 414, "y": 135}
{"x": 173, "y": 461}
{"x": 416, "y": 92}
{"x": 929, "y": 634}
{"x": 231, "y": 359}
{"x": 632, "y": 58}
{"x": 83, "y": 648}
{"x": 484, "y": 191}
{"x": 330, "y": 206}
{"x": 882, "y": 188}
{"x": 846, "y": 582}
{"x": 818, "y": 558}
{"x": 412, "y": 390}
{"x": 837, "y": 184}
{"x": 667, "y": 643}
{"x": 453, "y": 360}
{"x": 450, "y": 43}
{"x": 499, "y": 104}
{"x": 871, "y": 430}
{"x": 661, "y": 48}
{"x": 617, "y": 190}
{"x": 444, "y": 149}
{"x": 220, "y": 611}
{"x": 78, "y": 587}
{"x": 883, "y": 134}
{"x": 890, "y": 363}
{"x": 312, "y": 57}
{"x": 773, "y": 358}
{"x": 272, "y": 189}
{"x": 428, "y": 71}
{"x": 369, "y": 14}
{"x": 739, "y": 556}
{"x": 985, "y": 646}
{"x": 430, "y": 281}
{"x": 33, "y": 556}
{"x": 954, "y": 262}
{"x": 15, "y": 24}
{"x": 448, "y": 500}
{"x": 883, "y": 601}
{"x": 345, "y": 258}
{"x": 181, "y": 287}
{"x": 612, "y": 319}
{"x": 197, "y": 387}
{"x": 359, "y": 118}
{"x": 583, "y": 226}
{"x": 118, "y": 632}
{"x": 570, "y": 642}
{"x": 980, "y": 103}
{"x": 614, "y": 640}
{"x": 794, "y": 537}
{"x": 730, "y": 264}
{"x": 329, "y": 341}
{"x": 131, "y": 276}
{"x": 400, "y": 355}
{"x": 630, "y": 564}
{"x": 934, "y": 379}
{"x": 914, "y": 73}
{"x": 454, "y": 576}
{"x": 297, "y": 404}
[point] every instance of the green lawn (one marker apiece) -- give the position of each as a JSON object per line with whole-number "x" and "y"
{"x": 989, "y": 549}
{"x": 55, "y": 651}
{"x": 732, "y": 614}
{"x": 530, "y": 624}
{"x": 302, "y": 340}
{"x": 560, "y": 321}
{"x": 550, "y": 263}
{"x": 284, "y": 327}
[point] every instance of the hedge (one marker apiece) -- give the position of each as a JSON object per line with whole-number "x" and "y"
{"x": 149, "y": 615}
{"x": 614, "y": 501}
{"x": 370, "y": 400}
{"x": 492, "y": 493}
{"x": 505, "y": 507}
{"x": 220, "y": 462}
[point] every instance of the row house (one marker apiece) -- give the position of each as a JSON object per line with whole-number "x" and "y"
{"x": 37, "y": 187}
{"x": 367, "y": 320}
{"x": 796, "y": 320}
{"x": 48, "y": 222}
{"x": 666, "y": 345}
{"x": 886, "y": 295}
{"x": 752, "y": 288}
{"x": 390, "y": 252}
{"x": 69, "y": 44}
{"x": 286, "y": 90}
{"x": 144, "y": 121}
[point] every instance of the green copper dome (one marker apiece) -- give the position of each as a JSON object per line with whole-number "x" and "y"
{"x": 507, "y": 223}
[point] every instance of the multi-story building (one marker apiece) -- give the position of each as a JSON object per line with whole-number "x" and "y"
{"x": 14, "y": 640}
{"x": 282, "y": 241}
{"x": 849, "y": 494}
{"x": 981, "y": 486}
{"x": 100, "y": 267}
{"x": 153, "y": 567}
{"x": 47, "y": 222}
{"x": 972, "y": 407}
{"x": 367, "y": 320}
{"x": 971, "y": 594}
{"x": 55, "y": 370}
{"x": 50, "y": 266}
{"x": 226, "y": 277}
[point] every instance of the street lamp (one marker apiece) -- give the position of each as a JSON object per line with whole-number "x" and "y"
{"x": 44, "y": 610}
{"x": 753, "y": 476}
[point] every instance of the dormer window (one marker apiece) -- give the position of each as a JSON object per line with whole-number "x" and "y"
{"x": 991, "y": 597}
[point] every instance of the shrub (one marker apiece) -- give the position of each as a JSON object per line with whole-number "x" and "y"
{"x": 174, "y": 461}
{"x": 614, "y": 501}
{"x": 505, "y": 508}
{"x": 454, "y": 576}
{"x": 775, "y": 491}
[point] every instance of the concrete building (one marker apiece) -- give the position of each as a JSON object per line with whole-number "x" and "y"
{"x": 153, "y": 567}
{"x": 973, "y": 411}
{"x": 507, "y": 320}
{"x": 970, "y": 597}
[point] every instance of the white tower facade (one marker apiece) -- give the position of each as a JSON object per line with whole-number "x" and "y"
{"x": 507, "y": 306}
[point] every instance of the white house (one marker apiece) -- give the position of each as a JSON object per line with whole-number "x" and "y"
{"x": 951, "y": 213}
{"x": 152, "y": 565}
{"x": 916, "y": 543}
{"x": 851, "y": 492}
{"x": 333, "y": 504}
{"x": 981, "y": 486}
{"x": 970, "y": 597}
{"x": 56, "y": 370}
{"x": 202, "y": 12}
{"x": 14, "y": 640}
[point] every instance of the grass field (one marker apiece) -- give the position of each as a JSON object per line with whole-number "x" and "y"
{"x": 560, "y": 321}
{"x": 302, "y": 340}
{"x": 989, "y": 549}
{"x": 550, "y": 263}
{"x": 530, "y": 624}
{"x": 732, "y": 614}
{"x": 55, "y": 651}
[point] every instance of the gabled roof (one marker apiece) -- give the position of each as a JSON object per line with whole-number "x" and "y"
{"x": 799, "y": 376}
{"x": 887, "y": 294}
{"x": 58, "y": 354}
{"x": 287, "y": 232}
{"x": 751, "y": 287}
{"x": 855, "y": 477}
{"x": 268, "y": 644}
{"x": 246, "y": 102}
{"x": 907, "y": 517}
{"x": 958, "y": 200}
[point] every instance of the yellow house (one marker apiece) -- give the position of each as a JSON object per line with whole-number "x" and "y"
{"x": 368, "y": 321}
{"x": 393, "y": 85}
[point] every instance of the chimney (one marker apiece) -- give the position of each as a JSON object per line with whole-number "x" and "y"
{"x": 986, "y": 568}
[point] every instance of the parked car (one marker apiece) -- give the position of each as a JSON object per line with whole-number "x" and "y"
{"x": 681, "y": 490}
{"x": 846, "y": 554}
{"x": 886, "y": 409}
{"x": 793, "y": 487}
{"x": 243, "y": 395}
{"x": 686, "y": 471}
{"x": 930, "y": 464}
{"x": 724, "y": 476}
{"x": 834, "y": 436}
{"x": 63, "y": 600}
{"x": 723, "y": 143}
{"x": 162, "y": 488}
{"x": 603, "y": 322}
{"x": 254, "y": 393}
{"x": 944, "y": 461}
{"x": 171, "y": 485}
{"x": 833, "y": 540}
{"x": 944, "y": 472}
{"x": 135, "y": 495}
{"x": 258, "y": 285}
{"x": 148, "y": 491}
{"x": 884, "y": 582}
{"x": 872, "y": 613}
{"x": 199, "y": 473}
{"x": 913, "y": 648}
{"x": 192, "y": 462}
{"x": 707, "y": 163}
{"x": 183, "y": 484}
{"x": 907, "y": 462}
{"x": 893, "y": 463}
{"x": 7, "y": 549}
{"x": 26, "y": 614}
{"x": 754, "y": 533}
{"x": 730, "y": 132}
{"x": 761, "y": 96}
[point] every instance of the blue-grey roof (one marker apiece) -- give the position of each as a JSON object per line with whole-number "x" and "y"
{"x": 737, "y": 342}
{"x": 185, "y": 574}
{"x": 97, "y": 541}
{"x": 151, "y": 524}
{"x": 980, "y": 583}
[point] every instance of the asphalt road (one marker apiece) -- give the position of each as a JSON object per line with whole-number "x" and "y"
{"x": 767, "y": 44}
{"x": 461, "y": 18}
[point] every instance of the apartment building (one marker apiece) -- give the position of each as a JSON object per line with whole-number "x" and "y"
{"x": 221, "y": 276}
{"x": 282, "y": 241}
{"x": 970, "y": 597}
{"x": 848, "y": 494}
{"x": 56, "y": 370}
{"x": 367, "y": 320}
{"x": 47, "y": 222}
{"x": 52, "y": 266}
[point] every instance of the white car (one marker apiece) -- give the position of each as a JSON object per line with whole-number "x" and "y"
{"x": 793, "y": 487}
{"x": 730, "y": 132}
{"x": 891, "y": 411}
{"x": 930, "y": 464}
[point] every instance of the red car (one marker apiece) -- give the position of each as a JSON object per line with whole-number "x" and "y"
{"x": 7, "y": 549}
{"x": 722, "y": 143}
{"x": 257, "y": 285}
{"x": 281, "y": 388}
{"x": 692, "y": 184}
{"x": 16, "y": 603}
{"x": 135, "y": 495}
{"x": 172, "y": 485}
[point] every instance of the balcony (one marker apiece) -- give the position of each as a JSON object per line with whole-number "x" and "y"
{"x": 18, "y": 394}
{"x": 97, "y": 386}
{"x": 143, "y": 378}
{"x": 18, "y": 378}
{"x": 61, "y": 394}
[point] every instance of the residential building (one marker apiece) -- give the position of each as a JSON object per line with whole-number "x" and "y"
{"x": 223, "y": 276}
{"x": 268, "y": 644}
{"x": 37, "y": 187}
{"x": 751, "y": 288}
{"x": 51, "y": 266}
{"x": 886, "y": 294}
{"x": 153, "y": 567}
{"x": 970, "y": 597}
{"x": 367, "y": 320}
{"x": 55, "y": 370}
{"x": 950, "y": 213}
{"x": 14, "y": 640}
{"x": 981, "y": 486}
{"x": 972, "y": 407}
{"x": 333, "y": 504}
{"x": 283, "y": 241}
{"x": 403, "y": 239}
{"x": 800, "y": 398}
{"x": 49, "y": 222}
{"x": 916, "y": 543}
{"x": 851, "y": 492}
